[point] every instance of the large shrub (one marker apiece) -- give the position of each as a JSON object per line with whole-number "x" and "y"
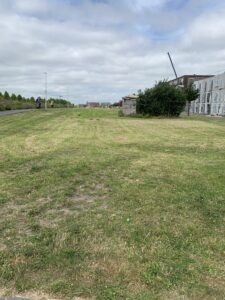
{"x": 161, "y": 100}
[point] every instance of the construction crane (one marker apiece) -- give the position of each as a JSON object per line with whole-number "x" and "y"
{"x": 172, "y": 65}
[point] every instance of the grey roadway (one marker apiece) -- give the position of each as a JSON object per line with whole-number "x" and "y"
{"x": 12, "y": 112}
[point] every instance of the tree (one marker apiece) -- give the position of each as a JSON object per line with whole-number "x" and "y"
{"x": 163, "y": 99}
{"x": 13, "y": 97}
{"x": 19, "y": 98}
{"x": 6, "y": 95}
{"x": 117, "y": 104}
{"x": 191, "y": 94}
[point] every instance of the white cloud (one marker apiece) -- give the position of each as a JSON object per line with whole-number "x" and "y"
{"x": 30, "y": 6}
{"x": 143, "y": 4}
{"x": 105, "y": 50}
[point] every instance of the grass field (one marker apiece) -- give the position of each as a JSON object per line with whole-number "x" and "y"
{"x": 101, "y": 207}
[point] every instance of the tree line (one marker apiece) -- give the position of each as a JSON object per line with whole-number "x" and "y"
{"x": 13, "y": 101}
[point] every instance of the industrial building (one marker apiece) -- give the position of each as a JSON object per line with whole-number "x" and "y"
{"x": 211, "y": 99}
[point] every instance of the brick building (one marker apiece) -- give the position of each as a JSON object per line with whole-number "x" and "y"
{"x": 186, "y": 80}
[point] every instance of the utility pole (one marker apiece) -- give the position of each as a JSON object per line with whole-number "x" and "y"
{"x": 46, "y": 89}
{"x": 172, "y": 65}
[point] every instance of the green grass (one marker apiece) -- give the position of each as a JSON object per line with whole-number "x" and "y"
{"x": 101, "y": 207}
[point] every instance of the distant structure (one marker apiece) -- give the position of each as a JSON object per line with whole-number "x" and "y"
{"x": 211, "y": 100}
{"x": 93, "y": 104}
{"x": 186, "y": 80}
{"x": 105, "y": 104}
{"x": 129, "y": 104}
{"x": 98, "y": 104}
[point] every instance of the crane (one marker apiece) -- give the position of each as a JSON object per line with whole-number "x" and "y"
{"x": 172, "y": 65}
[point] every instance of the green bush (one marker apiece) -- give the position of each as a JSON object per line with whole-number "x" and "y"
{"x": 161, "y": 100}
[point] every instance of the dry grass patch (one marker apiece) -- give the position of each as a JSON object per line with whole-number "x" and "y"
{"x": 109, "y": 208}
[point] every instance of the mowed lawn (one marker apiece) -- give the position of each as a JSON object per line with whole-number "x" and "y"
{"x": 101, "y": 207}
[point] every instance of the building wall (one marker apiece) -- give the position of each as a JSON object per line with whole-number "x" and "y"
{"x": 105, "y": 104}
{"x": 187, "y": 80}
{"x": 129, "y": 106}
{"x": 212, "y": 96}
{"x": 93, "y": 104}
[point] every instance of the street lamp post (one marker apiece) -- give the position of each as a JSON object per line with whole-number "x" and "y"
{"x": 46, "y": 88}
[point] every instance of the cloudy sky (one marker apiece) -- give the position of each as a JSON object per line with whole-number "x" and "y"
{"x": 104, "y": 49}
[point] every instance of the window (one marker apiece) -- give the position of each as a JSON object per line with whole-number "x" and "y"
{"x": 208, "y": 97}
{"x": 203, "y": 109}
{"x": 196, "y": 109}
{"x": 204, "y": 98}
{"x": 191, "y": 80}
{"x": 218, "y": 109}
{"x": 211, "y": 85}
{"x": 222, "y": 84}
{"x": 216, "y": 84}
{"x": 215, "y": 98}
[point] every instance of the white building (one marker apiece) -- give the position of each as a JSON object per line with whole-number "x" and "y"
{"x": 105, "y": 104}
{"x": 212, "y": 96}
{"x": 129, "y": 105}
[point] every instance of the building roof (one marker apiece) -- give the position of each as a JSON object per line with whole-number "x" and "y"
{"x": 131, "y": 96}
{"x": 214, "y": 77}
{"x": 93, "y": 103}
{"x": 105, "y": 103}
{"x": 192, "y": 76}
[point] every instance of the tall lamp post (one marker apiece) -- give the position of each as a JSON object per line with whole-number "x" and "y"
{"x": 46, "y": 89}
